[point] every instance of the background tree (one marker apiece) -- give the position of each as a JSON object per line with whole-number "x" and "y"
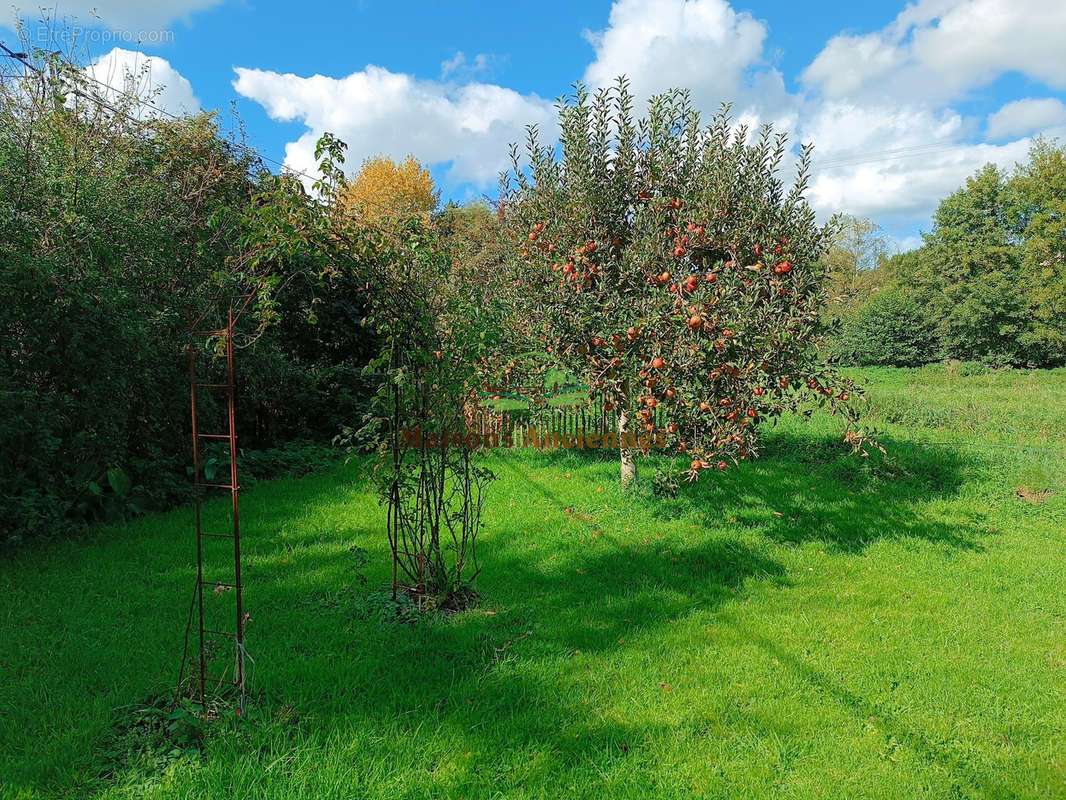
{"x": 1038, "y": 205}
{"x": 970, "y": 277}
{"x": 385, "y": 189}
{"x": 666, "y": 263}
{"x": 989, "y": 284}
{"x": 474, "y": 230}
{"x": 857, "y": 253}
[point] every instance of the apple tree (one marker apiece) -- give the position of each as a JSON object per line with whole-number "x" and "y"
{"x": 666, "y": 262}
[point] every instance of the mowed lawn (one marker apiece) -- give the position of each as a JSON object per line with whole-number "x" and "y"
{"x": 812, "y": 624}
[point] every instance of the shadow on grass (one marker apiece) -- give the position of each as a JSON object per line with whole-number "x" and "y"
{"x": 822, "y": 492}
{"x": 326, "y": 665}
{"x": 863, "y": 709}
{"x": 818, "y": 488}
{"x": 506, "y": 681}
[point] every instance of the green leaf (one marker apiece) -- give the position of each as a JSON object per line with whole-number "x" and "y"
{"x": 119, "y": 481}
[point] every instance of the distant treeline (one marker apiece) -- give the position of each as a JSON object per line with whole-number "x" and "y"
{"x": 988, "y": 284}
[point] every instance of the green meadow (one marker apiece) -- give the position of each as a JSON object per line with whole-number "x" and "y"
{"x": 810, "y": 624}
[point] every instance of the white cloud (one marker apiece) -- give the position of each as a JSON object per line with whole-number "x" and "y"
{"x": 903, "y": 244}
{"x": 149, "y": 78}
{"x": 458, "y": 65}
{"x": 129, "y": 15}
{"x": 1026, "y": 116}
{"x": 905, "y": 186}
{"x": 381, "y": 112}
{"x": 702, "y": 45}
{"x": 937, "y": 50}
{"x": 841, "y": 129}
{"x": 877, "y": 106}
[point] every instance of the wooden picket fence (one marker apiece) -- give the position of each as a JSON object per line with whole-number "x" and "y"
{"x": 587, "y": 416}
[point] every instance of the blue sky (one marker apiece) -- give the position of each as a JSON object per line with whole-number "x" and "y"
{"x": 902, "y": 101}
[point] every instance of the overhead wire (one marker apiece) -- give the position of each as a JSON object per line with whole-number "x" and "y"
{"x": 874, "y": 156}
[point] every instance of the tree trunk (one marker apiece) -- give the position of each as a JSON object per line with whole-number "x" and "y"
{"x": 629, "y": 464}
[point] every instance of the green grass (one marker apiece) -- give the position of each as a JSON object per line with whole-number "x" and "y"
{"x": 808, "y": 625}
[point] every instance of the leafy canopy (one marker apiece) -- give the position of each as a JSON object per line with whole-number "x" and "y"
{"x": 384, "y": 189}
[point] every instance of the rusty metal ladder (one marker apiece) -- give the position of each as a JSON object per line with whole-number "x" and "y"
{"x": 210, "y": 684}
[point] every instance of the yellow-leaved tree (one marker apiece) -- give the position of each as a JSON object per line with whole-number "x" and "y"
{"x": 384, "y": 189}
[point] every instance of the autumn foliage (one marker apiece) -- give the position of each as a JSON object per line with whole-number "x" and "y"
{"x": 384, "y": 189}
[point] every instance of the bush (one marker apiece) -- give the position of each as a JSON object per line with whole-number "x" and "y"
{"x": 890, "y": 330}
{"x": 102, "y": 262}
{"x": 290, "y": 460}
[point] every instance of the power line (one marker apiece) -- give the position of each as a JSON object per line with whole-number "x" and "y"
{"x": 135, "y": 98}
{"x": 852, "y": 159}
{"x": 857, "y": 158}
{"x": 984, "y": 446}
{"x": 23, "y": 59}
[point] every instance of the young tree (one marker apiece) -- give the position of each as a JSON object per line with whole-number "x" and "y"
{"x": 435, "y": 335}
{"x": 665, "y": 261}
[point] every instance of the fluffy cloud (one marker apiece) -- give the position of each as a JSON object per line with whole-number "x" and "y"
{"x": 843, "y": 129}
{"x": 459, "y": 67}
{"x": 149, "y": 78}
{"x": 908, "y": 188}
{"x": 700, "y": 44}
{"x": 937, "y": 50}
{"x": 703, "y": 45}
{"x": 381, "y": 112}
{"x": 877, "y": 106}
{"x": 893, "y": 162}
{"x": 129, "y": 15}
{"x": 1026, "y": 116}
{"x": 901, "y": 244}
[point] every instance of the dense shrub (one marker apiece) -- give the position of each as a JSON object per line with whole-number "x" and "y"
{"x": 889, "y": 330}
{"x": 113, "y": 231}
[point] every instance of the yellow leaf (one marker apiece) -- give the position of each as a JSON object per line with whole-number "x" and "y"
{"x": 384, "y": 189}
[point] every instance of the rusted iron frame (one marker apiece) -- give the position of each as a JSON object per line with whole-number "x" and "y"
{"x": 199, "y": 526}
{"x": 234, "y": 489}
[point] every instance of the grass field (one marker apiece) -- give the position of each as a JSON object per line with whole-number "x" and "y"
{"x": 809, "y": 625}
